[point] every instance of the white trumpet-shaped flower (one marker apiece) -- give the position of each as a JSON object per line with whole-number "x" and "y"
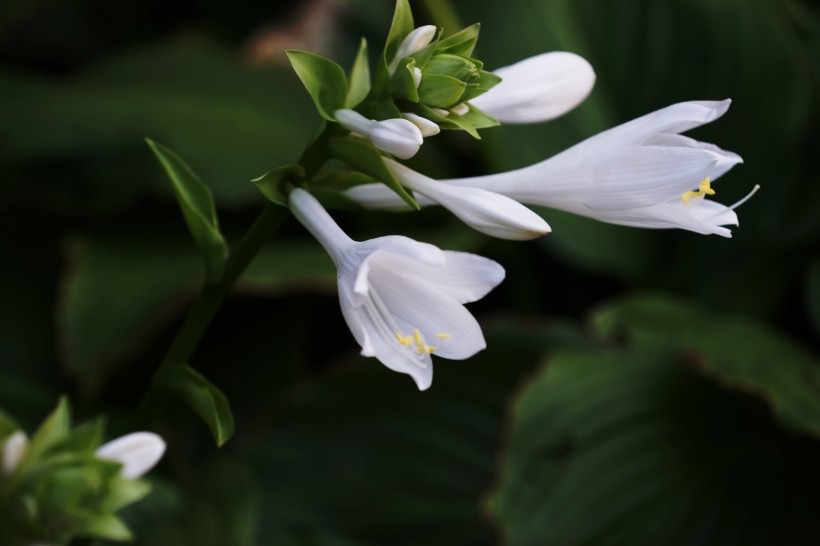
{"x": 537, "y": 89}
{"x": 642, "y": 173}
{"x": 484, "y": 211}
{"x": 138, "y": 452}
{"x": 403, "y": 300}
{"x": 396, "y": 136}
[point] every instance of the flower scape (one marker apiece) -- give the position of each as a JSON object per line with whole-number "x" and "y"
{"x": 404, "y": 300}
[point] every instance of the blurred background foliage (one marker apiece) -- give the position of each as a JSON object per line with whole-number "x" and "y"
{"x": 638, "y": 387}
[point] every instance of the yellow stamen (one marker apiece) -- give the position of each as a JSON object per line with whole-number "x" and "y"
{"x": 704, "y": 188}
{"x": 416, "y": 338}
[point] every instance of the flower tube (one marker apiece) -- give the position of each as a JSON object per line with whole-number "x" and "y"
{"x": 403, "y": 300}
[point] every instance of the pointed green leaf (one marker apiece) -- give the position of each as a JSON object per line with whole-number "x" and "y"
{"x": 270, "y": 183}
{"x": 479, "y": 119}
{"x": 441, "y": 91}
{"x": 402, "y": 84}
{"x": 486, "y": 81}
{"x": 359, "y": 78}
{"x": 7, "y": 426}
{"x": 324, "y": 80}
{"x": 401, "y": 26}
{"x": 462, "y": 42}
{"x": 85, "y": 438}
{"x": 204, "y": 398}
{"x": 364, "y": 157}
{"x": 53, "y": 430}
{"x": 197, "y": 205}
{"x": 107, "y": 526}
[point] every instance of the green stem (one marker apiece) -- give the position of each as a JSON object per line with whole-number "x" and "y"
{"x": 212, "y": 295}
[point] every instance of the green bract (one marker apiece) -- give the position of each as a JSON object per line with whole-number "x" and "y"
{"x": 60, "y": 489}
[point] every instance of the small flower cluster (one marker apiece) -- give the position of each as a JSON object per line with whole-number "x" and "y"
{"x": 402, "y": 299}
{"x": 62, "y": 483}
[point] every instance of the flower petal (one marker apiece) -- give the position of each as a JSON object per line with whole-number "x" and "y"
{"x": 484, "y": 211}
{"x": 14, "y": 449}
{"x": 137, "y": 452}
{"x": 418, "y": 304}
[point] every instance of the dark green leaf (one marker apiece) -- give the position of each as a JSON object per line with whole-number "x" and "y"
{"x": 197, "y": 205}
{"x": 813, "y": 294}
{"x": 635, "y": 448}
{"x": 324, "y": 80}
{"x": 417, "y": 483}
{"x": 359, "y": 78}
{"x": 364, "y": 157}
{"x": 737, "y": 352}
{"x": 270, "y": 183}
{"x": 117, "y": 294}
{"x": 204, "y": 398}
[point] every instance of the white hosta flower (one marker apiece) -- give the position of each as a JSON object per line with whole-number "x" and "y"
{"x": 427, "y": 127}
{"x": 642, "y": 174}
{"x": 402, "y": 299}
{"x": 397, "y": 136}
{"x": 14, "y": 448}
{"x": 418, "y": 39}
{"x": 137, "y": 452}
{"x": 484, "y": 211}
{"x": 537, "y": 89}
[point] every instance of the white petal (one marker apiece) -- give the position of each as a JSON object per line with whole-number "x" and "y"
{"x": 417, "y": 303}
{"x": 417, "y": 39}
{"x": 399, "y": 137}
{"x": 466, "y": 277}
{"x": 422, "y": 252}
{"x": 539, "y": 88}
{"x": 137, "y": 452}
{"x": 482, "y": 210}
{"x": 427, "y": 127}
{"x": 14, "y": 449}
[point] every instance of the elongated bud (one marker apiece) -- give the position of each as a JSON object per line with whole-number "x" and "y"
{"x": 416, "y": 40}
{"x": 427, "y": 127}
{"x": 137, "y": 452}
{"x": 14, "y": 448}
{"x": 396, "y": 136}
